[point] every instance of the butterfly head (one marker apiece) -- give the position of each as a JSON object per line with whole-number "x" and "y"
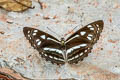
{"x": 62, "y": 41}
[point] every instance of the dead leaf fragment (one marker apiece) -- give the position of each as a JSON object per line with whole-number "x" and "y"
{"x": 5, "y": 76}
{"x": 15, "y": 5}
{"x": 1, "y": 32}
{"x": 42, "y": 5}
{"x": 112, "y": 41}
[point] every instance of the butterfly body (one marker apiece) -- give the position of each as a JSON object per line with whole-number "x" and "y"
{"x": 72, "y": 50}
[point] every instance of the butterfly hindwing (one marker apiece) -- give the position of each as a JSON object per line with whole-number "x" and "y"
{"x": 81, "y": 42}
{"x": 47, "y": 45}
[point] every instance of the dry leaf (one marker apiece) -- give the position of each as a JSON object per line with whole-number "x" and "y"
{"x": 5, "y": 76}
{"x": 42, "y": 5}
{"x": 15, "y": 5}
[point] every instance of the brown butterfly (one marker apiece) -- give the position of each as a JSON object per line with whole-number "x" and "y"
{"x": 71, "y": 50}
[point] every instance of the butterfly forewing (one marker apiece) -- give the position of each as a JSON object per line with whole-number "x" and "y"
{"x": 81, "y": 42}
{"x": 47, "y": 45}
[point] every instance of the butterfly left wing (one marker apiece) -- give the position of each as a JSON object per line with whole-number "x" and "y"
{"x": 47, "y": 45}
{"x": 81, "y": 42}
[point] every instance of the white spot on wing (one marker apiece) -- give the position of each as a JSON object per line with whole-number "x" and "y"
{"x": 78, "y": 46}
{"x": 98, "y": 29}
{"x": 71, "y": 58}
{"x": 75, "y": 47}
{"x": 34, "y": 34}
{"x": 28, "y": 32}
{"x": 81, "y": 54}
{"x": 76, "y": 56}
{"x": 48, "y": 38}
{"x": 89, "y": 38}
{"x": 69, "y": 50}
{"x": 52, "y": 49}
{"x": 30, "y": 38}
{"x": 59, "y": 51}
{"x": 61, "y": 59}
{"x": 97, "y": 25}
{"x": 89, "y": 26}
{"x": 28, "y": 35}
{"x": 35, "y": 30}
{"x": 88, "y": 48}
{"x": 46, "y": 48}
{"x": 82, "y": 33}
{"x": 39, "y": 43}
{"x": 83, "y": 45}
{"x": 85, "y": 50}
{"x": 45, "y": 54}
{"x": 55, "y": 58}
{"x": 37, "y": 40}
{"x": 74, "y": 37}
{"x": 50, "y": 56}
{"x": 90, "y": 35}
{"x": 43, "y": 36}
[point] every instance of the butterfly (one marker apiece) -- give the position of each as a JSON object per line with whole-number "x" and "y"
{"x": 72, "y": 50}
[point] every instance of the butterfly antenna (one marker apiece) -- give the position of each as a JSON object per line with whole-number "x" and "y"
{"x": 71, "y": 31}
{"x": 80, "y": 21}
{"x": 82, "y": 18}
{"x": 53, "y": 32}
{"x": 76, "y": 26}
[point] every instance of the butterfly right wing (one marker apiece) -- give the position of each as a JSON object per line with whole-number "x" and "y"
{"x": 80, "y": 43}
{"x": 48, "y": 46}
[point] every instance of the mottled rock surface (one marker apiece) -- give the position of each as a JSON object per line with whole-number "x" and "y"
{"x": 103, "y": 63}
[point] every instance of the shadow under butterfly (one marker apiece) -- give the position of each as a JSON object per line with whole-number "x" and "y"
{"x": 72, "y": 50}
